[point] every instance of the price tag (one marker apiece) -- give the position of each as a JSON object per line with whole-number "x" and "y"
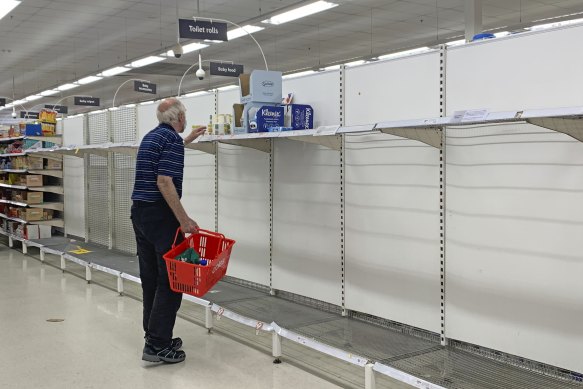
{"x": 327, "y": 130}
{"x": 258, "y": 327}
{"x": 475, "y": 115}
{"x": 220, "y": 313}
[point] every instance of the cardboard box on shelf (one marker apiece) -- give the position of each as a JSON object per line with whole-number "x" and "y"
{"x": 31, "y": 214}
{"x": 33, "y": 197}
{"x": 34, "y": 163}
{"x": 33, "y": 180}
{"x": 38, "y": 232}
{"x": 53, "y": 164}
{"x": 48, "y": 214}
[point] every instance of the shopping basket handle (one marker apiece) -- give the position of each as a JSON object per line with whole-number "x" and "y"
{"x": 178, "y": 231}
{"x": 207, "y": 232}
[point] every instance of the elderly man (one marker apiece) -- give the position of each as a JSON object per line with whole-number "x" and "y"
{"x": 156, "y": 215}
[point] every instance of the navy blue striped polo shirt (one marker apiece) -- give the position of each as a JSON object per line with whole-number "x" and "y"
{"x": 161, "y": 153}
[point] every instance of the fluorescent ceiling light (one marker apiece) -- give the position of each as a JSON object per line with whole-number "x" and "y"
{"x": 355, "y": 63}
{"x": 114, "y": 71}
{"x": 300, "y": 12}
{"x": 147, "y": 102}
{"x": 299, "y": 74}
{"x": 227, "y": 87}
{"x": 199, "y": 93}
{"x": 405, "y": 53}
{"x": 88, "y": 80}
{"x": 146, "y": 61}
{"x": 193, "y": 47}
{"x": 67, "y": 87}
{"x": 33, "y": 97}
{"x": 128, "y": 106}
{"x": 6, "y": 6}
{"x": 98, "y": 111}
{"x": 187, "y": 49}
{"x": 554, "y": 25}
{"x": 49, "y": 92}
{"x": 458, "y": 42}
{"x": 245, "y": 30}
{"x": 501, "y": 34}
{"x": 17, "y": 102}
{"x": 333, "y": 67}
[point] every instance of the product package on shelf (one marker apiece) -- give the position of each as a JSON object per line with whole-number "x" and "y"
{"x": 28, "y": 197}
{"x": 53, "y": 164}
{"x": 31, "y": 214}
{"x": 32, "y": 180}
{"x": 48, "y": 214}
{"x": 34, "y": 163}
{"x": 34, "y": 129}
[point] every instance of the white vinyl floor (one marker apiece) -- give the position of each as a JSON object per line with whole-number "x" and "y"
{"x": 99, "y": 342}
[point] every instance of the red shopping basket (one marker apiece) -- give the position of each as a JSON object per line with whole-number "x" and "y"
{"x": 193, "y": 279}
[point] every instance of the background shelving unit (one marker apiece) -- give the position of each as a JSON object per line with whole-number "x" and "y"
{"x": 34, "y": 218}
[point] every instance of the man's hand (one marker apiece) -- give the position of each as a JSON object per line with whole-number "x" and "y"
{"x": 195, "y": 133}
{"x": 189, "y": 226}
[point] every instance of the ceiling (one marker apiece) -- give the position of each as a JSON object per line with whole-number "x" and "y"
{"x": 46, "y": 43}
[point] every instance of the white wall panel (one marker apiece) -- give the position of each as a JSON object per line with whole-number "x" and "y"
{"x": 74, "y": 179}
{"x": 306, "y": 226}
{"x": 321, "y": 91}
{"x": 227, "y": 99}
{"x": 244, "y": 210}
{"x": 147, "y": 120}
{"x": 198, "y": 109}
{"x": 198, "y": 188}
{"x": 526, "y": 71}
{"x": 392, "y": 229}
{"x": 404, "y": 88}
{"x": 514, "y": 249}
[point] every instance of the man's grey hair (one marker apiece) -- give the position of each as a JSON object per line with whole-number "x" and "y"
{"x": 169, "y": 110}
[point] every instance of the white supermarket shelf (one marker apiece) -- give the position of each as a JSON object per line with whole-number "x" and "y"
{"x": 17, "y": 203}
{"x": 11, "y": 139}
{"x": 55, "y": 206}
{"x": 15, "y": 171}
{"x": 48, "y": 172}
{"x": 54, "y": 223}
{"x": 9, "y": 155}
{"x": 49, "y": 189}
{"x": 53, "y": 139}
{"x": 21, "y": 187}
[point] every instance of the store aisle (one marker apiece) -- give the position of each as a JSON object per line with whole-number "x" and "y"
{"x": 99, "y": 343}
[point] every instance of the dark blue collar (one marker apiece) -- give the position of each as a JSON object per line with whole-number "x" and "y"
{"x": 166, "y": 125}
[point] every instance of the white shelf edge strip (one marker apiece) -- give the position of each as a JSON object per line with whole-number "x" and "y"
{"x": 105, "y": 269}
{"x": 313, "y": 344}
{"x": 404, "y": 377}
{"x": 258, "y": 325}
{"x": 76, "y": 260}
{"x": 129, "y": 277}
{"x": 196, "y": 300}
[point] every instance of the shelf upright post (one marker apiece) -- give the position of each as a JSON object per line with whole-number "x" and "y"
{"x": 86, "y": 162}
{"x": 24, "y": 248}
{"x": 369, "y": 377}
{"x": 216, "y": 95}
{"x": 342, "y": 85}
{"x": 442, "y": 187}
{"x": 276, "y": 347}
{"x": 271, "y": 171}
{"x": 208, "y": 318}
{"x": 110, "y": 179}
{"x": 63, "y": 264}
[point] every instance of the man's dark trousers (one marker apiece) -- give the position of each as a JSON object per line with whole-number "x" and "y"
{"x": 155, "y": 227}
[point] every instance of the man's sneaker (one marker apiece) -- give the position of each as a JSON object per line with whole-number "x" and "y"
{"x": 176, "y": 344}
{"x": 166, "y": 354}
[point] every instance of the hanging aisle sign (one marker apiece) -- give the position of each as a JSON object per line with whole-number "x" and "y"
{"x": 145, "y": 87}
{"x": 2, "y": 102}
{"x": 225, "y": 69}
{"x": 202, "y": 29}
{"x": 88, "y": 101}
{"x": 58, "y": 108}
{"x": 28, "y": 115}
